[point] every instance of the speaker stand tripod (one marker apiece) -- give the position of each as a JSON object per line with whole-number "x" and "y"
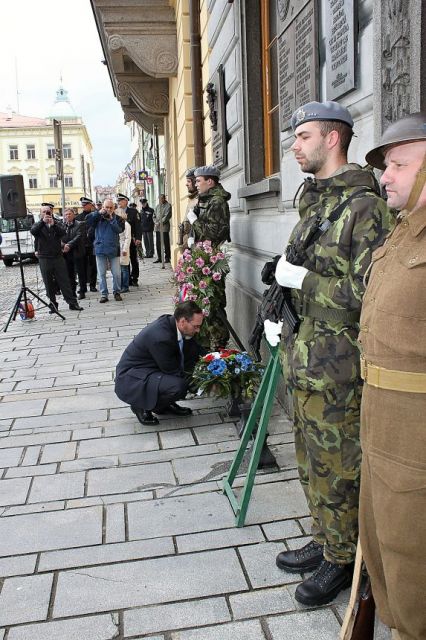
{"x": 24, "y": 289}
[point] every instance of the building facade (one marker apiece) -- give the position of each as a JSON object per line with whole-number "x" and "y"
{"x": 27, "y": 148}
{"x": 257, "y": 62}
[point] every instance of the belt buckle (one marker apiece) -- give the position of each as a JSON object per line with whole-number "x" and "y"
{"x": 364, "y": 368}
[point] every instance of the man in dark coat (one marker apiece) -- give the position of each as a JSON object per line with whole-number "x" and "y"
{"x": 147, "y": 222}
{"x": 154, "y": 370}
{"x": 74, "y": 253}
{"x": 133, "y": 218}
{"x": 88, "y": 238}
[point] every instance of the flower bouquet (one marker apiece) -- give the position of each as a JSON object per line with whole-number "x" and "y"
{"x": 199, "y": 276}
{"x": 228, "y": 373}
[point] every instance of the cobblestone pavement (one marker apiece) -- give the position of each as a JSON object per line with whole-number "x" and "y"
{"x": 109, "y": 529}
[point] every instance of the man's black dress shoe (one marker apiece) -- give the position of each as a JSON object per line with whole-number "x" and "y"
{"x": 325, "y": 583}
{"x": 307, "y": 558}
{"x": 93, "y": 288}
{"x": 81, "y": 296}
{"x": 145, "y": 417}
{"x": 176, "y": 409}
{"x": 75, "y": 307}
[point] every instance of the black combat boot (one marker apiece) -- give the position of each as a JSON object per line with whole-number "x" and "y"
{"x": 325, "y": 583}
{"x": 307, "y": 558}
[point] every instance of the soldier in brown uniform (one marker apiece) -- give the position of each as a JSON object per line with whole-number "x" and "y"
{"x": 393, "y": 413}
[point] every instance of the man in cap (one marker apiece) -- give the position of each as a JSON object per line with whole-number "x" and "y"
{"x": 187, "y": 237}
{"x": 48, "y": 232}
{"x": 133, "y": 218}
{"x": 89, "y": 236}
{"x": 147, "y": 224}
{"x": 162, "y": 217}
{"x": 393, "y": 342}
{"x": 321, "y": 360}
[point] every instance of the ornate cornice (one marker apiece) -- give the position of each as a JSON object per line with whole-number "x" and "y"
{"x": 151, "y": 96}
{"x": 155, "y": 55}
{"x": 145, "y": 121}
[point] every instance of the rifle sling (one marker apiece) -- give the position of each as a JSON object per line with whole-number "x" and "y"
{"x": 310, "y": 309}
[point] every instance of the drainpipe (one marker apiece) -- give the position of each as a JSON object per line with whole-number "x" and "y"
{"x": 196, "y": 83}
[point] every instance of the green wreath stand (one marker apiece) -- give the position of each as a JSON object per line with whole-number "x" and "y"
{"x": 261, "y": 413}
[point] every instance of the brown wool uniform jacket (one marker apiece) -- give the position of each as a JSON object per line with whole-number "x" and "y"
{"x": 393, "y": 429}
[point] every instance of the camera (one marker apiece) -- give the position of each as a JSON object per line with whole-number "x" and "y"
{"x": 104, "y": 214}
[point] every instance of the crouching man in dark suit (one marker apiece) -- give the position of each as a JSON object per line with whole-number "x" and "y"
{"x": 154, "y": 370}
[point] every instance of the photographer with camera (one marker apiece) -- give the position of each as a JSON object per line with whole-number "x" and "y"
{"x": 107, "y": 227}
{"x": 49, "y": 233}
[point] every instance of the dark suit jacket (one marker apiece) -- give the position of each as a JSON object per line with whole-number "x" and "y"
{"x": 153, "y": 353}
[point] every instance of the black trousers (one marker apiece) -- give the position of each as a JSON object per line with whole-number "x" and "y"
{"x": 90, "y": 270}
{"x": 75, "y": 267}
{"x": 54, "y": 271}
{"x": 148, "y": 243}
{"x": 134, "y": 263}
{"x": 166, "y": 241}
{"x": 171, "y": 388}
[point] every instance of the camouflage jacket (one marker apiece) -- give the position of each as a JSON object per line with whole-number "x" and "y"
{"x": 324, "y": 352}
{"x": 213, "y": 216}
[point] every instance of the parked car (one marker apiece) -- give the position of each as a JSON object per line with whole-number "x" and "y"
{"x": 9, "y": 246}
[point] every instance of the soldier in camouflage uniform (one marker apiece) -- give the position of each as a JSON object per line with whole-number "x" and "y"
{"x": 210, "y": 220}
{"x": 321, "y": 361}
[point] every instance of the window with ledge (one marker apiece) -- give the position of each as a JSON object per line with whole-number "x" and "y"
{"x": 53, "y": 182}
{"x": 31, "y": 152}
{"x": 51, "y": 152}
{"x": 13, "y": 152}
{"x": 68, "y": 180}
{"x": 66, "y": 149}
{"x": 32, "y": 182}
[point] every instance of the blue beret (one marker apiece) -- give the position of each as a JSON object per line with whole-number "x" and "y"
{"x": 313, "y": 111}
{"x": 209, "y": 170}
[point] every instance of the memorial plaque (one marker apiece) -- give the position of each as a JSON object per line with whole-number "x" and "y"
{"x": 298, "y": 62}
{"x": 288, "y": 10}
{"x": 339, "y": 47}
{"x": 216, "y": 101}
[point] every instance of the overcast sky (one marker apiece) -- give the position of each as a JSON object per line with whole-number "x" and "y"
{"x": 49, "y": 38}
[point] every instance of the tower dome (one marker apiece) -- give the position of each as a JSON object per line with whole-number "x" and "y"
{"x": 62, "y": 108}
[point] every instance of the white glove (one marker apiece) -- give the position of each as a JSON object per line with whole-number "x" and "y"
{"x": 191, "y": 217}
{"x": 272, "y": 332}
{"x": 190, "y": 242}
{"x": 288, "y": 275}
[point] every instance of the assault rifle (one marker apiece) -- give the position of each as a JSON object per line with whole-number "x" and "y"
{"x": 276, "y": 304}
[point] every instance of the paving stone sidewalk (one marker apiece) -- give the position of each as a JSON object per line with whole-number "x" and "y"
{"x": 109, "y": 529}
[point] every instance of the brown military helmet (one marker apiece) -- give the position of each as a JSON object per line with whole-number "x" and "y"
{"x": 408, "y": 129}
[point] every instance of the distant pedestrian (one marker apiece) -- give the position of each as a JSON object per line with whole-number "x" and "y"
{"x": 74, "y": 252}
{"x": 133, "y": 218}
{"x": 125, "y": 240}
{"x": 147, "y": 223}
{"x": 162, "y": 216}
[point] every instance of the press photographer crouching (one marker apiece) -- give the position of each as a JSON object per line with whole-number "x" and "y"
{"x": 155, "y": 369}
{"x": 48, "y": 233}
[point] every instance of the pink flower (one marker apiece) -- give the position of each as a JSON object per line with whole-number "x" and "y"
{"x": 186, "y": 253}
{"x": 190, "y": 270}
{"x": 206, "y": 301}
{"x": 206, "y": 271}
{"x": 217, "y": 276}
{"x": 199, "y": 245}
{"x": 206, "y": 312}
{"x": 181, "y": 277}
{"x": 188, "y": 258}
{"x": 176, "y": 299}
{"x": 213, "y": 259}
{"x": 220, "y": 255}
{"x": 192, "y": 297}
{"x": 180, "y": 262}
{"x": 208, "y": 250}
{"x": 200, "y": 262}
{"x": 190, "y": 286}
{"x": 202, "y": 284}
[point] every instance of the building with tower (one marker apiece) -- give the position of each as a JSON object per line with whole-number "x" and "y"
{"x": 27, "y": 148}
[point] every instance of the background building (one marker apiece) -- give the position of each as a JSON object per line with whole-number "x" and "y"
{"x": 27, "y": 148}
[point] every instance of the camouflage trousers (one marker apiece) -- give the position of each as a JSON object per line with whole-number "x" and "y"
{"x": 214, "y": 333}
{"x": 328, "y": 452}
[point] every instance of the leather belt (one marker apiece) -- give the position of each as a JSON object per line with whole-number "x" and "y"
{"x": 392, "y": 380}
{"x": 310, "y": 309}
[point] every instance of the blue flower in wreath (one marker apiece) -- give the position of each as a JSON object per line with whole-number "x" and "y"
{"x": 244, "y": 361}
{"x": 217, "y": 367}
